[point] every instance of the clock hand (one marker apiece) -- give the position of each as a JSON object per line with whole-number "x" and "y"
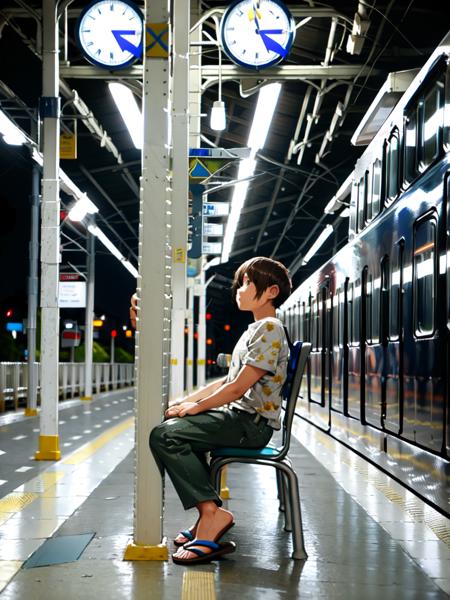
{"x": 272, "y": 45}
{"x": 124, "y": 44}
{"x": 271, "y": 31}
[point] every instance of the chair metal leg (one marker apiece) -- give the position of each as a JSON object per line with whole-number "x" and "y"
{"x": 280, "y": 491}
{"x": 299, "y": 552}
{"x": 287, "y": 503}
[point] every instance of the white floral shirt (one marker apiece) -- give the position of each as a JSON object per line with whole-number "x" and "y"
{"x": 262, "y": 345}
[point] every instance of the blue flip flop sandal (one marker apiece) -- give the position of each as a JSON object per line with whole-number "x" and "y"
{"x": 187, "y": 534}
{"x": 190, "y": 536}
{"x": 218, "y": 550}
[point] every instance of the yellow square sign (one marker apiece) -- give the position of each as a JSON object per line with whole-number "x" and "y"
{"x": 157, "y": 40}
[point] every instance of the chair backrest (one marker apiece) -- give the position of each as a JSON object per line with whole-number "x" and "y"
{"x": 298, "y": 356}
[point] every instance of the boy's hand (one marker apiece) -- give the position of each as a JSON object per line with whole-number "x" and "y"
{"x": 133, "y": 311}
{"x": 189, "y": 408}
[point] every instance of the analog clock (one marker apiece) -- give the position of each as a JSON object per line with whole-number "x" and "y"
{"x": 109, "y": 33}
{"x": 257, "y": 34}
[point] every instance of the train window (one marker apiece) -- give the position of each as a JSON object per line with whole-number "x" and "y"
{"x": 424, "y": 270}
{"x": 376, "y": 284}
{"x": 335, "y": 303}
{"x": 341, "y": 318}
{"x": 410, "y": 146}
{"x": 319, "y": 317}
{"x": 376, "y": 187}
{"x": 307, "y": 321}
{"x": 368, "y": 294}
{"x": 392, "y": 166}
{"x": 361, "y": 203}
{"x": 356, "y": 317}
{"x": 432, "y": 114}
{"x": 394, "y": 293}
{"x": 384, "y": 298}
{"x": 368, "y": 198}
{"x": 350, "y": 312}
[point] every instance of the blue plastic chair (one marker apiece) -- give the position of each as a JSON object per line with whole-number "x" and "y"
{"x": 277, "y": 457}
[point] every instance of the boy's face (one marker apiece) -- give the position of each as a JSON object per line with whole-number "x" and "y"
{"x": 246, "y": 295}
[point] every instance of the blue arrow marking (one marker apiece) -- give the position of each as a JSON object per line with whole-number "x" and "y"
{"x": 124, "y": 44}
{"x": 272, "y": 45}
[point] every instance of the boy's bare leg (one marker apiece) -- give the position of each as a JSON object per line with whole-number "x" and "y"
{"x": 212, "y": 520}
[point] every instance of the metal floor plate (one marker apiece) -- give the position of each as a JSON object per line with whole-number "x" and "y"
{"x": 59, "y": 550}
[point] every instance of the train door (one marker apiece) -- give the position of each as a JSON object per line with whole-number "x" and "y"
{"x": 392, "y": 384}
{"x": 337, "y": 351}
{"x": 374, "y": 353}
{"x": 327, "y": 354}
{"x": 447, "y": 357}
{"x": 354, "y": 350}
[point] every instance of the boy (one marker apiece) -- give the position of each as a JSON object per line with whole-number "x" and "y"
{"x": 241, "y": 410}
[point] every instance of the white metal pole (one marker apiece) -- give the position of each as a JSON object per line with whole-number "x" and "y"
{"x": 89, "y": 317}
{"x": 190, "y": 338}
{"x": 195, "y": 82}
{"x": 153, "y": 290}
{"x": 31, "y": 409}
{"x": 50, "y": 244}
{"x": 180, "y": 187}
{"x": 200, "y": 291}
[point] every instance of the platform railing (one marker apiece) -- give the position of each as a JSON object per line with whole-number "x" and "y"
{"x": 105, "y": 376}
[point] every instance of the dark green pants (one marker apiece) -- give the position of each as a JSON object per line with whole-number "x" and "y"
{"x": 179, "y": 446}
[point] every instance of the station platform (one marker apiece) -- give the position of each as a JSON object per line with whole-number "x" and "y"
{"x": 366, "y": 537}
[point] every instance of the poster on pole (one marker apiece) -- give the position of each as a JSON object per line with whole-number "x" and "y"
{"x": 72, "y": 294}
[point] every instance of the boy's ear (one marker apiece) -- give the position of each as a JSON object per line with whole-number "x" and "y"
{"x": 273, "y": 291}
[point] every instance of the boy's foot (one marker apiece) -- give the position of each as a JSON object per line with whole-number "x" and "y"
{"x": 211, "y": 526}
{"x": 186, "y": 536}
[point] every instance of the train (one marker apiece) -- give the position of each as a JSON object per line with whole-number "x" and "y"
{"x": 378, "y": 312}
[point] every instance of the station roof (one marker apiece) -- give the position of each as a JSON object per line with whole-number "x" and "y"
{"x": 306, "y": 158}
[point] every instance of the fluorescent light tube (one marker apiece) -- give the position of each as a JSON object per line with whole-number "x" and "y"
{"x": 12, "y": 135}
{"x": 318, "y": 243}
{"x": 130, "y": 111}
{"x": 218, "y": 117}
{"x": 265, "y": 108}
{"x": 113, "y": 249}
{"x": 82, "y": 207}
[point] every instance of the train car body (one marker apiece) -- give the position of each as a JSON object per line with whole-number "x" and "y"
{"x": 378, "y": 312}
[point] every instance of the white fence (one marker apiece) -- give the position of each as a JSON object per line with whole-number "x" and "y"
{"x": 106, "y": 376}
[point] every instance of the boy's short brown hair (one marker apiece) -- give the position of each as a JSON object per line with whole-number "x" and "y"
{"x": 264, "y": 272}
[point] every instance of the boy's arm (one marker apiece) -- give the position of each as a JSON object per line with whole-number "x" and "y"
{"x": 203, "y": 392}
{"x": 228, "y": 392}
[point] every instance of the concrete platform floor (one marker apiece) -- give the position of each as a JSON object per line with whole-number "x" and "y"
{"x": 361, "y": 545}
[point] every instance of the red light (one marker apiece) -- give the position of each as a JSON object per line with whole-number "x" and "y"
{"x": 195, "y": 336}
{"x": 227, "y": 327}
{"x": 208, "y": 316}
{"x": 209, "y": 342}
{"x": 9, "y": 312}
{"x": 114, "y": 333}
{"x": 209, "y": 361}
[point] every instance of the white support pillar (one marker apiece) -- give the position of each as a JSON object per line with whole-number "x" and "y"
{"x": 180, "y": 187}
{"x": 190, "y": 338}
{"x": 195, "y": 84}
{"x": 200, "y": 291}
{"x": 153, "y": 290}
{"x": 50, "y": 250}
{"x": 89, "y": 317}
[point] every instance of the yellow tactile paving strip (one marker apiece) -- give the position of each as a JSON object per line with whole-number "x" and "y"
{"x": 198, "y": 585}
{"x": 41, "y": 485}
{"x": 14, "y": 502}
{"x": 89, "y": 449}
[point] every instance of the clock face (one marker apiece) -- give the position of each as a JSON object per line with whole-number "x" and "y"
{"x": 257, "y": 34}
{"x": 109, "y": 33}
